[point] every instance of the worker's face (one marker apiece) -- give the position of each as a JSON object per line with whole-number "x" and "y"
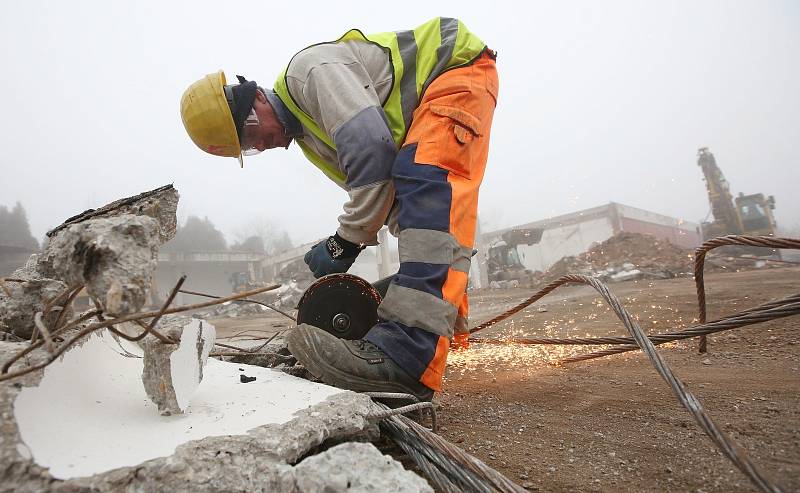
{"x": 269, "y": 132}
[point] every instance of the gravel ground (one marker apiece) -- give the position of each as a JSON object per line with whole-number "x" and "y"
{"x": 612, "y": 424}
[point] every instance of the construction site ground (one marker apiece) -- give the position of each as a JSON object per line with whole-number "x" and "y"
{"x": 612, "y": 424}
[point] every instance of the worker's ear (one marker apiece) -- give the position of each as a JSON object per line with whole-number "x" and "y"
{"x": 261, "y": 97}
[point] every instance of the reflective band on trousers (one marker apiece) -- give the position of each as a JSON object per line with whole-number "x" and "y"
{"x": 418, "y": 309}
{"x": 417, "y": 58}
{"x": 433, "y": 247}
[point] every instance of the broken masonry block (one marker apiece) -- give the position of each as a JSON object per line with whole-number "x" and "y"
{"x": 18, "y": 310}
{"x": 118, "y": 280}
{"x": 113, "y": 257}
{"x": 358, "y": 467}
{"x": 160, "y": 204}
{"x": 172, "y": 372}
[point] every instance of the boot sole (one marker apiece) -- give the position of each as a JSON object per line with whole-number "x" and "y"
{"x": 337, "y": 378}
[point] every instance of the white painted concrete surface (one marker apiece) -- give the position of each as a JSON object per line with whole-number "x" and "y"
{"x": 559, "y": 241}
{"x": 90, "y": 413}
{"x": 186, "y": 363}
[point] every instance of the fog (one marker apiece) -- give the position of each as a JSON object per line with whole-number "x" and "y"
{"x": 598, "y": 102}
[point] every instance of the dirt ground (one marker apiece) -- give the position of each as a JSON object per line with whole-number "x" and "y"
{"x": 612, "y": 424}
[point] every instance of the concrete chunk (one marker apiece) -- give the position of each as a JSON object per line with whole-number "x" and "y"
{"x": 172, "y": 372}
{"x": 356, "y": 467}
{"x": 160, "y": 204}
{"x": 27, "y": 298}
{"x": 105, "y": 248}
{"x": 114, "y": 257}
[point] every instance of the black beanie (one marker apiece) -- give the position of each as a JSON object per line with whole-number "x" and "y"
{"x": 244, "y": 94}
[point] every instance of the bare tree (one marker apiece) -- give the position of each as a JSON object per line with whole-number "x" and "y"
{"x": 273, "y": 238}
{"x": 251, "y": 244}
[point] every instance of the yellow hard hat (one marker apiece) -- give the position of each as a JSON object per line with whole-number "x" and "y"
{"x": 207, "y": 117}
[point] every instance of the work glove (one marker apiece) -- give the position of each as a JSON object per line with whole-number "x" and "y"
{"x": 331, "y": 256}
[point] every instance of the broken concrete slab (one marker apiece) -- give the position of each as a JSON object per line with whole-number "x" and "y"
{"x": 113, "y": 257}
{"x": 356, "y": 467}
{"x": 160, "y": 204}
{"x": 99, "y": 388}
{"x": 68, "y": 260}
{"x": 172, "y": 372}
{"x": 233, "y": 436}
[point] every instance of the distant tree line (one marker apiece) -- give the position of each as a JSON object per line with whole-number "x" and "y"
{"x": 200, "y": 235}
{"x": 15, "y": 230}
{"x": 195, "y": 235}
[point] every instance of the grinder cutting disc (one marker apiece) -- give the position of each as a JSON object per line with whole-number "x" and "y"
{"x": 342, "y": 304}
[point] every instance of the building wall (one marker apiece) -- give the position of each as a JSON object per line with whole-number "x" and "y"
{"x": 677, "y": 231}
{"x": 205, "y": 277}
{"x": 563, "y": 240}
{"x": 680, "y": 237}
{"x": 574, "y": 233}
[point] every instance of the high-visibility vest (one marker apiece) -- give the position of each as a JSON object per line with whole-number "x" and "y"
{"x": 417, "y": 58}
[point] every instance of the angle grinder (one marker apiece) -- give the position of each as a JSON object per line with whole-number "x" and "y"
{"x": 342, "y": 304}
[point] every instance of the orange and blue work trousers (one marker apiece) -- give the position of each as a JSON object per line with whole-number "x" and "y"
{"x": 436, "y": 175}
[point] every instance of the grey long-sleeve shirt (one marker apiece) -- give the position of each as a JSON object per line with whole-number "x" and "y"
{"x": 342, "y": 86}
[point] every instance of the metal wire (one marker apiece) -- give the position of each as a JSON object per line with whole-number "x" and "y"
{"x": 195, "y": 293}
{"x": 732, "y": 322}
{"x": 388, "y": 412}
{"x": 5, "y": 374}
{"x": 496, "y": 481}
{"x": 438, "y": 468}
{"x": 392, "y": 395}
{"x": 686, "y": 398}
{"x": 772, "y": 310}
{"x": 700, "y": 256}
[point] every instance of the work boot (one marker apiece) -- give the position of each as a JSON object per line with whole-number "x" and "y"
{"x": 352, "y": 365}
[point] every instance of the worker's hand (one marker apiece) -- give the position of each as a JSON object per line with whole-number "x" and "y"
{"x": 332, "y": 256}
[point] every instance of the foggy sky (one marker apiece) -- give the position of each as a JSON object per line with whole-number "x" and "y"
{"x": 598, "y": 102}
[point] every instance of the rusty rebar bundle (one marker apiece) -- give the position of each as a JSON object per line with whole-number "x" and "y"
{"x": 149, "y": 328}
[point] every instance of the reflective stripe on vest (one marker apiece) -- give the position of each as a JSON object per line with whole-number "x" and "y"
{"x": 417, "y": 58}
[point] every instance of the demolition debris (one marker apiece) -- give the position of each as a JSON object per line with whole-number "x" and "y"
{"x": 629, "y": 256}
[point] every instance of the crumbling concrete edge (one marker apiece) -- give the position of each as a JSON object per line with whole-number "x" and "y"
{"x": 261, "y": 460}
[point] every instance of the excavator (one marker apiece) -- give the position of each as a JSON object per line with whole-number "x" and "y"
{"x": 503, "y": 262}
{"x": 744, "y": 215}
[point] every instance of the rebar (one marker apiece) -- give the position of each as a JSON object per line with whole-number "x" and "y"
{"x": 8, "y": 375}
{"x": 195, "y": 293}
{"x": 783, "y": 307}
{"x": 700, "y": 256}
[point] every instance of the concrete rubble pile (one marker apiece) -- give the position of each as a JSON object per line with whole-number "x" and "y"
{"x": 115, "y": 415}
{"x": 627, "y": 256}
{"x": 236, "y": 309}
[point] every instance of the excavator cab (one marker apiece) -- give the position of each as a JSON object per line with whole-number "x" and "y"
{"x": 756, "y": 213}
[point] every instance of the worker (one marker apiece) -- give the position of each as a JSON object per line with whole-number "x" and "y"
{"x": 401, "y": 121}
